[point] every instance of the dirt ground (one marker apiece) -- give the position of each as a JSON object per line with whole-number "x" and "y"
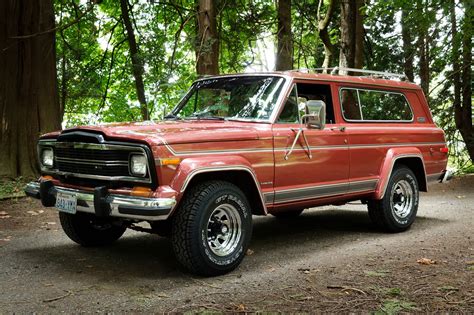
{"x": 330, "y": 259}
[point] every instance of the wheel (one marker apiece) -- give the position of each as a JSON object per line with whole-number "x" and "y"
{"x": 212, "y": 228}
{"x": 88, "y": 230}
{"x": 396, "y": 211}
{"x": 288, "y": 214}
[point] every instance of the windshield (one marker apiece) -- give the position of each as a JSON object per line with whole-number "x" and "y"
{"x": 252, "y": 97}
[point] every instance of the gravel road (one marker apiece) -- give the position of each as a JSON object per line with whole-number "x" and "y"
{"x": 328, "y": 259}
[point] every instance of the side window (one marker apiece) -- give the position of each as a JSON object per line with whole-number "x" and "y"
{"x": 289, "y": 114}
{"x": 370, "y": 105}
{"x": 300, "y": 94}
{"x": 350, "y": 104}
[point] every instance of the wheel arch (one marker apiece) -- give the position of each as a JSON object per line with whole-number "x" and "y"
{"x": 411, "y": 158}
{"x": 236, "y": 172}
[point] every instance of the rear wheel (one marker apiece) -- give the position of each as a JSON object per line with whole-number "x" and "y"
{"x": 212, "y": 228}
{"x": 88, "y": 230}
{"x": 396, "y": 211}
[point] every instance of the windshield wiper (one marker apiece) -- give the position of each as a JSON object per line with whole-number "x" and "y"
{"x": 172, "y": 116}
{"x": 201, "y": 117}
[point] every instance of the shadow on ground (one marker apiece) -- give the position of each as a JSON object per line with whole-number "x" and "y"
{"x": 150, "y": 256}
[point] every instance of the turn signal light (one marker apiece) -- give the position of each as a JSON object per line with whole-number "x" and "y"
{"x": 139, "y": 191}
{"x": 170, "y": 161}
{"x": 47, "y": 177}
{"x": 444, "y": 150}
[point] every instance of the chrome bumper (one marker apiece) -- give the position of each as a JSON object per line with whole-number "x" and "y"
{"x": 101, "y": 203}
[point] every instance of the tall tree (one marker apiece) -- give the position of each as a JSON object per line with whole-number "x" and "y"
{"x": 463, "y": 109}
{"x": 28, "y": 90}
{"x": 408, "y": 51}
{"x": 284, "y": 58}
{"x": 207, "y": 44}
{"x": 323, "y": 25}
{"x": 351, "y": 54}
{"x": 137, "y": 61}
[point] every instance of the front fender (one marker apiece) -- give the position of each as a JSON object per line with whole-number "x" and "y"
{"x": 391, "y": 157}
{"x": 190, "y": 167}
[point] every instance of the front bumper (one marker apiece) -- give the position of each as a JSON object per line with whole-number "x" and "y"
{"x": 103, "y": 204}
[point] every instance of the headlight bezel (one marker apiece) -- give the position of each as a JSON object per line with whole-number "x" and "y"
{"x": 132, "y": 163}
{"x": 50, "y": 158}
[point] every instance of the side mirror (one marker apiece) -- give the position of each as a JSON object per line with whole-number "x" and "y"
{"x": 315, "y": 116}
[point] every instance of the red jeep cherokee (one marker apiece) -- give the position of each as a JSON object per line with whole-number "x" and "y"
{"x": 243, "y": 145}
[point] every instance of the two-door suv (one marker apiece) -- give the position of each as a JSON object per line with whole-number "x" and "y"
{"x": 242, "y": 145}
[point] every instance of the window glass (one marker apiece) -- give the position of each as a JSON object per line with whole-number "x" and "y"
{"x": 289, "y": 114}
{"x": 350, "y": 104}
{"x": 374, "y": 105}
{"x": 378, "y": 105}
{"x": 252, "y": 97}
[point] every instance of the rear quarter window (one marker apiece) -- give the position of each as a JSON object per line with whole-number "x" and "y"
{"x": 374, "y": 105}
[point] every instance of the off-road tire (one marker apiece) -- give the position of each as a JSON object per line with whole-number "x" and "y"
{"x": 190, "y": 228}
{"x": 87, "y": 230}
{"x": 383, "y": 212}
{"x": 287, "y": 214}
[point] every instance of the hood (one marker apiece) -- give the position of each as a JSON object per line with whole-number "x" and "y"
{"x": 174, "y": 132}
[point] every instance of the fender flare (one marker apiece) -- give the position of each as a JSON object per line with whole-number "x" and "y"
{"x": 190, "y": 167}
{"x": 391, "y": 158}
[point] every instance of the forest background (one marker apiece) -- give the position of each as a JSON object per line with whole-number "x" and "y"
{"x": 72, "y": 62}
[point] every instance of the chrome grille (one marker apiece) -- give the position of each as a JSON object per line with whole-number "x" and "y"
{"x": 95, "y": 161}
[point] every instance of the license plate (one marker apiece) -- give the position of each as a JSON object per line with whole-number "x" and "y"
{"x": 66, "y": 203}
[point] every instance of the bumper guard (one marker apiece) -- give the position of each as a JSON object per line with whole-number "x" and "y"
{"x": 103, "y": 204}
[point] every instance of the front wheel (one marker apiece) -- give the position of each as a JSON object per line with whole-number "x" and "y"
{"x": 396, "y": 211}
{"x": 88, "y": 230}
{"x": 212, "y": 228}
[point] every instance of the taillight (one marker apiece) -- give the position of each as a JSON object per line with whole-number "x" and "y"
{"x": 444, "y": 150}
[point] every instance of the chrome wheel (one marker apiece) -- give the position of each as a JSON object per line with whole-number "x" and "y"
{"x": 402, "y": 198}
{"x": 224, "y": 230}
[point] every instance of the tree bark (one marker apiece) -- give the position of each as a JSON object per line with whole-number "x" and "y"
{"x": 137, "y": 62}
{"x": 284, "y": 58}
{"x": 352, "y": 35}
{"x": 324, "y": 34}
{"x": 423, "y": 51}
{"x": 466, "y": 127}
{"x": 207, "y": 44}
{"x": 29, "y": 103}
{"x": 408, "y": 51}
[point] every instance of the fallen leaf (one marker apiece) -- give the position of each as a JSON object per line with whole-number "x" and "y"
{"x": 461, "y": 197}
{"x": 32, "y": 212}
{"x": 240, "y": 308}
{"x": 2, "y": 213}
{"x": 5, "y": 217}
{"x": 426, "y": 261}
{"x": 249, "y": 252}
{"x": 6, "y": 239}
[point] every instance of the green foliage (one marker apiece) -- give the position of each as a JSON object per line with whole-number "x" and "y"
{"x": 12, "y": 188}
{"x": 95, "y": 81}
{"x": 390, "y": 307}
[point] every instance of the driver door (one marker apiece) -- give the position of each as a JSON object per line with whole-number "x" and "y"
{"x": 314, "y": 170}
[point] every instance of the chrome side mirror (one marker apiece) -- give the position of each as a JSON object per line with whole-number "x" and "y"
{"x": 315, "y": 116}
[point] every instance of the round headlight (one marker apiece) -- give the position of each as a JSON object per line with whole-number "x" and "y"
{"x": 138, "y": 165}
{"x": 47, "y": 157}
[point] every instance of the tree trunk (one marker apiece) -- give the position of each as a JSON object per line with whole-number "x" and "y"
{"x": 207, "y": 45}
{"x": 29, "y": 103}
{"x": 284, "y": 58}
{"x": 466, "y": 127}
{"x": 408, "y": 52}
{"x": 324, "y": 34}
{"x": 352, "y": 35}
{"x": 423, "y": 51}
{"x": 137, "y": 62}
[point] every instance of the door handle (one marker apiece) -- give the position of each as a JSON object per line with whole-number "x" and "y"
{"x": 341, "y": 129}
